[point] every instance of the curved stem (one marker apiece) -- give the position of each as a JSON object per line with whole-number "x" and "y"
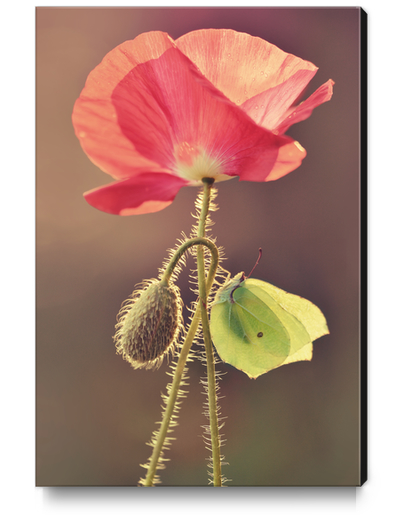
{"x": 178, "y": 373}
{"x": 182, "y": 249}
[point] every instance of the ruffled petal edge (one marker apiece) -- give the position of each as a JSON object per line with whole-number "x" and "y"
{"x": 304, "y": 110}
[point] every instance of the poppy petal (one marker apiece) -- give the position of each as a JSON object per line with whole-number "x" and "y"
{"x": 240, "y": 65}
{"x": 158, "y": 115}
{"x": 304, "y": 110}
{"x": 288, "y": 158}
{"x": 95, "y": 117}
{"x": 269, "y": 108}
{"x": 145, "y": 193}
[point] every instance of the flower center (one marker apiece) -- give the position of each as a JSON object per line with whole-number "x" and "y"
{"x": 193, "y": 163}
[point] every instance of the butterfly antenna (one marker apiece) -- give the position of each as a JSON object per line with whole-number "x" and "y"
{"x": 257, "y": 262}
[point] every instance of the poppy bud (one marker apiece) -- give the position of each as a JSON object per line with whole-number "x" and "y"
{"x": 149, "y": 324}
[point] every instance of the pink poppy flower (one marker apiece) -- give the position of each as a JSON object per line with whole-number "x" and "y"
{"x": 158, "y": 114}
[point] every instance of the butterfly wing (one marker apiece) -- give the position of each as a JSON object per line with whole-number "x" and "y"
{"x": 248, "y": 335}
{"x": 257, "y": 327}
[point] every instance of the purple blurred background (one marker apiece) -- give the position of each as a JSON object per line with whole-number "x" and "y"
{"x": 297, "y": 425}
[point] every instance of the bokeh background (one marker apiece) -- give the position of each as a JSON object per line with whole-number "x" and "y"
{"x": 297, "y": 425}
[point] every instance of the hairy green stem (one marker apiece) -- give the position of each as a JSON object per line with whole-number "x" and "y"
{"x": 211, "y": 378}
{"x": 183, "y": 355}
{"x": 212, "y": 399}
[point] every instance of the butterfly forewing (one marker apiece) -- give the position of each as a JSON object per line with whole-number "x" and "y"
{"x": 260, "y": 324}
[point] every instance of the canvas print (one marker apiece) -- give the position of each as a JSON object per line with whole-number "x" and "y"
{"x": 200, "y": 186}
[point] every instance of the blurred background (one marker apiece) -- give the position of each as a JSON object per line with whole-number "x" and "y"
{"x": 297, "y": 425}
